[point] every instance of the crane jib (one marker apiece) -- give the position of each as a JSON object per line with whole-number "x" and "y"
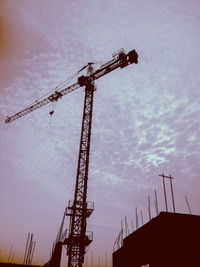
{"x": 120, "y": 59}
{"x": 52, "y": 98}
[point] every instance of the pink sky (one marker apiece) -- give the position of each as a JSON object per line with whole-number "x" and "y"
{"x": 146, "y": 116}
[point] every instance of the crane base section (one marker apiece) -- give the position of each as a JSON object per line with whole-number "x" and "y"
{"x": 78, "y": 241}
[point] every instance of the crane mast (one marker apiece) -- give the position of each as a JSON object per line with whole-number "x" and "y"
{"x": 79, "y": 209}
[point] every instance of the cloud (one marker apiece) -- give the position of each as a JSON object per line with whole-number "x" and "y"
{"x": 145, "y": 116}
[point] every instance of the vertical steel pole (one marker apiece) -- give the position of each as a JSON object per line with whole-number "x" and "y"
{"x": 156, "y": 203}
{"x": 10, "y": 253}
{"x": 164, "y": 192}
{"x": 136, "y": 218}
{"x": 33, "y": 250}
{"x": 12, "y": 256}
{"x": 132, "y": 225}
{"x": 26, "y": 248}
{"x": 149, "y": 207}
{"x": 188, "y": 205}
{"x": 142, "y": 220}
{"x": 29, "y": 250}
{"x": 170, "y": 177}
{"x": 91, "y": 258}
{"x": 99, "y": 261}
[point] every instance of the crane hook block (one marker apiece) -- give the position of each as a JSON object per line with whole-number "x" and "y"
{"x": 133, "y": 57}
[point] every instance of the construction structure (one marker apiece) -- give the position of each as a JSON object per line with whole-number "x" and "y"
{"x": 29, "y": 251}
{"x": 79, "y": 209}
{"x": 168, "y": 240}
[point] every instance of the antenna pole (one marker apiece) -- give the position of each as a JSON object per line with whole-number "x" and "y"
{"x": 172, "y": 193}
{"x": 163, "y": 176}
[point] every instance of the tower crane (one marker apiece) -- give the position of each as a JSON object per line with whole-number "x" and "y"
{"x": 79, "y": 209}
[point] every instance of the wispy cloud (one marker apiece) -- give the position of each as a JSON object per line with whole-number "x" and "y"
{"x": 145, "y": 116}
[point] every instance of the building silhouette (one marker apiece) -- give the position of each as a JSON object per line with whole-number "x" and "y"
{"x": 168, "y": 240}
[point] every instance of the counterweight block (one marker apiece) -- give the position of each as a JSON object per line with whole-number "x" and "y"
{"x": 133, "y": 57}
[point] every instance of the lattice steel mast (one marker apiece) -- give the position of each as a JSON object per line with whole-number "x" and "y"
{"x": 79, "y": 209}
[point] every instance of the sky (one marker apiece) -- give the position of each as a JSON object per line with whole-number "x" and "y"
{"x": 145, "y": 117}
